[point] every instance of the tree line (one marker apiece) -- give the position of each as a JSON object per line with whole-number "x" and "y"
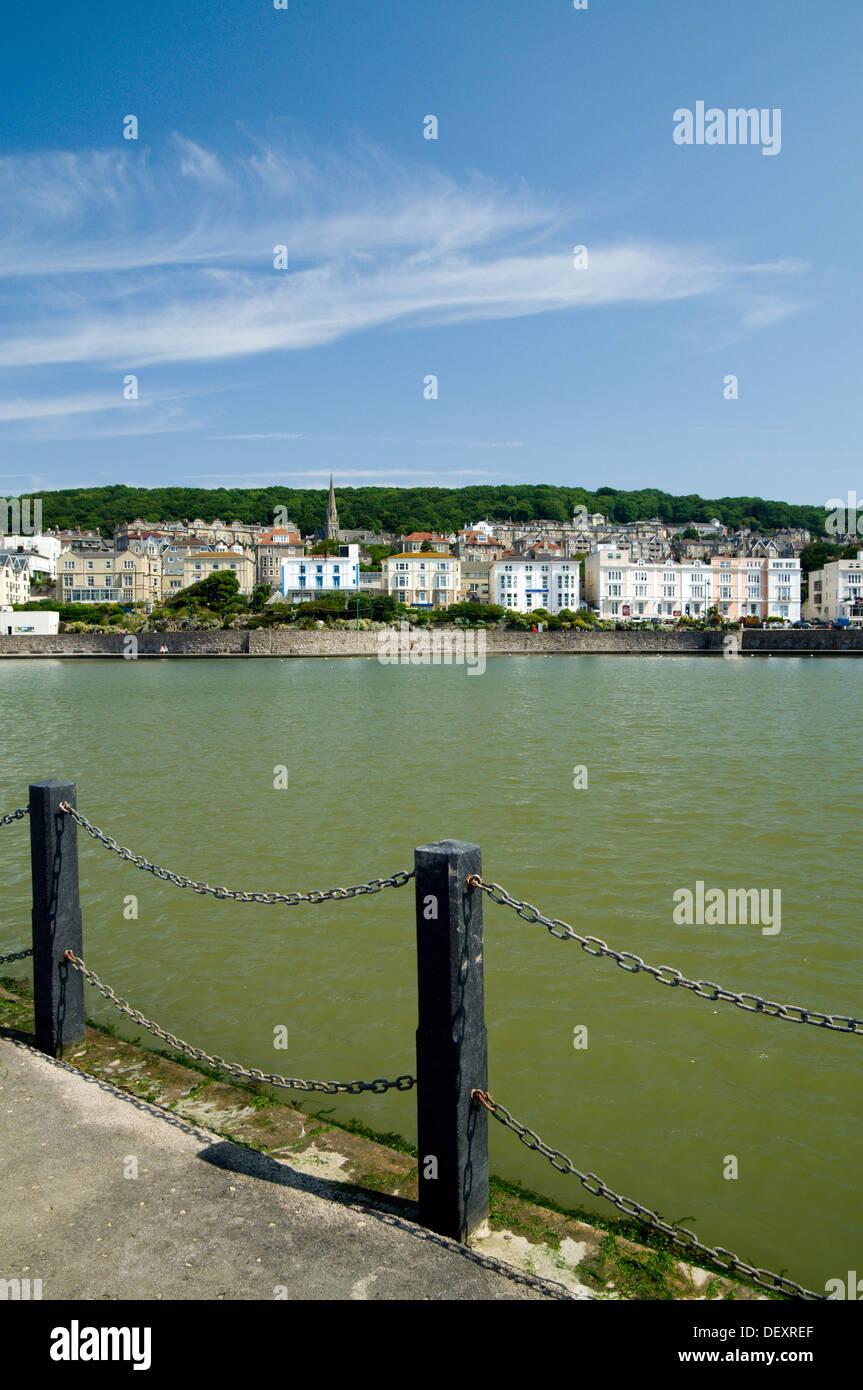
{"x": 405, "y": 509}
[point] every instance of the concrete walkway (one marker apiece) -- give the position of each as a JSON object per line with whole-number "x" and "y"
{"x": 203, "y": 1219}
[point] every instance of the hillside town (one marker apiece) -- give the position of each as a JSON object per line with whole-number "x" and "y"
{"x": 635, "y": 572}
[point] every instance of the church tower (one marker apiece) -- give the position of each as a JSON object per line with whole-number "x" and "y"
{"x": 331, "y": 532}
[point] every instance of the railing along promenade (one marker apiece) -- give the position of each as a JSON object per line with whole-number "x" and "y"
{"x": 453, "y": 1099}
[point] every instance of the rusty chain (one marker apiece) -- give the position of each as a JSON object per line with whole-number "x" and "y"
{"x": 680, "y": 1235}
{"x": 666, "y": 974}
{"x": 592, "y": 945}
{"x": 378, "y": 1086}
{"x": 317, "y": 895}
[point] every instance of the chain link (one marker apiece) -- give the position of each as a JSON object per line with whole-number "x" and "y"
{"x": 679, "y": 1235}
{"x": 666, "y": 974}
{"x": 401, "y": 1083}
{"x": 16, "y": 955}
{"x": 397, "y": 880}
{"x": 7, "y": 820}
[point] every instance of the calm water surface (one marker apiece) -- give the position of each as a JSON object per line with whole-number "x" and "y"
{"x": 738, "y": 773}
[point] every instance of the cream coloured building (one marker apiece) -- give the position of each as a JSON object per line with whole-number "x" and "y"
{"x": 14, "y": 579}
{"x": 108, "y": 576}
{"x": 836, "y": 591}
{"x": 420, "y": 580}
{"x": 475, "y": 586}
{"x": 203, "y": 563}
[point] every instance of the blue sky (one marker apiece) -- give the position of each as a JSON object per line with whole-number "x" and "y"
{"x": 408, "y": 257}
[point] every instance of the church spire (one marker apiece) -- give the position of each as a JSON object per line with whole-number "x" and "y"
{"x": 332, "y": 526}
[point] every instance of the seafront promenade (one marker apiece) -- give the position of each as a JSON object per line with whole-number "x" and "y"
{"x": 109, "y": 1197}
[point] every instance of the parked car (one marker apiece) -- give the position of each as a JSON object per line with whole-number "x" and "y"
{"x": 801, "y": 622}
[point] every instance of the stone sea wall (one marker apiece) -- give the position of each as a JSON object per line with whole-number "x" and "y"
{"x": 340, "y": 642}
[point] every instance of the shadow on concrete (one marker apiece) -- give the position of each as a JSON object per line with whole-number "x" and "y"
{"x": 396, "y": 1212}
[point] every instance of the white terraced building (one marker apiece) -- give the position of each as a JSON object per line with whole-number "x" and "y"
{"x": 525, "y": 585}
{"x": 618, "y": 587}
{"x": 763, "y": 587}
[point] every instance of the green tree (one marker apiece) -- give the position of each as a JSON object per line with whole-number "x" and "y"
{"x": 260, "y": 594}
{"x": 218, "y": 591}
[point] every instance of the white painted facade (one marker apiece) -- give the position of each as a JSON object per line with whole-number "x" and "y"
{"x": 43, "y": 552}
{"x": 312, "y": 576}
{"x": 617, "y": 587}
{"x": 620, "y": 588}
{"x": 525, "y": 585}
{"x": 42, "y": 622}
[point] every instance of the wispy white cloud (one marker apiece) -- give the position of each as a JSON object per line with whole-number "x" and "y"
{"x": 44, "y": 407}
{"x": 64, "y": 406}
{"x": 390, "y": 439}
{"x": 254, "y": 476}
{"x": 272, "y": 434}
{"x": 101, "y": 416}
{"x": 171, "y": 261}
{"x": 767, "y": 311}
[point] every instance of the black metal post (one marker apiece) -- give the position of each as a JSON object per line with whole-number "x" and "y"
{"x": 58, "y": 989}
{"x": 452, "y": 1049}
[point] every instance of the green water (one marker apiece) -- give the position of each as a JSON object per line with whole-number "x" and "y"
{"x": 738, "y": 773}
